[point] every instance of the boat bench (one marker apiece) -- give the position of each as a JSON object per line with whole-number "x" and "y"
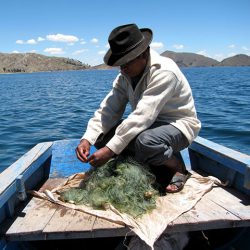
{"x": 43, "y": 220}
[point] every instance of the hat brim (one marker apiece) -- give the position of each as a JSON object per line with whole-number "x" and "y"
{"x": 118, "y": 60}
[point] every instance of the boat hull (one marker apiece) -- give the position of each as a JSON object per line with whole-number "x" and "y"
{"x": 58, "y": 160}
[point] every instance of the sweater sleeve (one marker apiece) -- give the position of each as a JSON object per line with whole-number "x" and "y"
{"x": 159, "y": 90}
{"x": 109, "y": 113}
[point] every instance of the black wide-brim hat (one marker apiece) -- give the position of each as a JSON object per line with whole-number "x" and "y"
{"x": 126, "y": 43}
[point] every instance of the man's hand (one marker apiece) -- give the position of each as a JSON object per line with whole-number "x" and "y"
{"x": 100, "y": 157}
{"x": 82, "y": 150}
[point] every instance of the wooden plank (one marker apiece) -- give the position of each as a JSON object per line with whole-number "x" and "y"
{"x": 59, "y": 222}
{"x": 104, "y": 228}
{"x": 205, "y": 215}
{"x": 32, "y": 220}
{"x": 64, "y": 223}
{"x": 69, "y": 224}
{"x": 232, "y": 201}
{"x": 219, "y": 208}
{"x": 43, "y": 220}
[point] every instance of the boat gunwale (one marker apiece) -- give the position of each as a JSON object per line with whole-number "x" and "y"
{"x": 24, "y": 167}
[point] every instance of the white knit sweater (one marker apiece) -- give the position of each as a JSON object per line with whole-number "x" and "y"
{"x": 162, "y": 94}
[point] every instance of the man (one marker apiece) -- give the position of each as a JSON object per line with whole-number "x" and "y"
{"x": 163, "y": 120}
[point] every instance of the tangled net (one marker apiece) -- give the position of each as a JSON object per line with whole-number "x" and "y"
{"x": 121, "y": 182}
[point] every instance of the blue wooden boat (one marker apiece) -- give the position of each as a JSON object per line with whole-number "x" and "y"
{"x": 23, "y": 223}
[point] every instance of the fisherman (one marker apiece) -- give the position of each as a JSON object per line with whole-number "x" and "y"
{"x": 163, "y": 119}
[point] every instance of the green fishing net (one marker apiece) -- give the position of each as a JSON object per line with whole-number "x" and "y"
{"x": 121, "y": 182}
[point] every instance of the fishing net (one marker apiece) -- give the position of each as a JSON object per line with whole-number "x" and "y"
{"x": 121, "y": 182}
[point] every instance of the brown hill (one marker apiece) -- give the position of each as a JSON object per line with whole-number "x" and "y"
{"x": 102, "y": 66}
{"x": 182, "y": 59}
{"x": 190, "y": 59}
{"x": 238, "y": 60}
{"x": 31, "y": 62}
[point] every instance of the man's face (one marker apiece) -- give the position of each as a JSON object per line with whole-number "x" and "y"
{"x": 134, "y": 67}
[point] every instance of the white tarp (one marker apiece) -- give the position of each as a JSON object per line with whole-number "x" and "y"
{"x": 150, "y": 226}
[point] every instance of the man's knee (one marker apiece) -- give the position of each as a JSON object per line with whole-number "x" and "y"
{"x": 147, "y": 147}
{"x": 143, "y": 141}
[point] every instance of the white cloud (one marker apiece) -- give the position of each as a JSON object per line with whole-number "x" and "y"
{"x": 218, "y": 57}
{"x": 231, "y": 46}
{"x": 102, "y": 52}
{"x": 94, "y": 40}
{"x": 40, "y": 39}
{"x": 178, "y": 46}
{"x": 62, "y": 38}
{"x": 32, "y": 51}
{"x": 202, "y": 52}
{"x": 245, "y": 48}
{"x": 19, "y": 41}
{"x": 31, "y": 41}
{"x": 231, "y": 54}
{"x": 15, "y": 51}
{"x": 77, "y": 52}
{"x": 82, "y": 41}
{"x": 54, "y": 51}
{"x": 156, "y": 45}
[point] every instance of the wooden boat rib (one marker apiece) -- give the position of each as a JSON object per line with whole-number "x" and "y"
{"x": 33, "y": 219}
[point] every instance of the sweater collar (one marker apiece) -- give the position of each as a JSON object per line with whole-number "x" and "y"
{"x": 154, "y": 59}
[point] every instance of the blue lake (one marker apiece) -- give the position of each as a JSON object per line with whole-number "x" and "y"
{"x": 52, "y": 106}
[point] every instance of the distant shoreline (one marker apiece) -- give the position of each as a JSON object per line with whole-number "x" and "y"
{"x": 32, "y": 62}
{"x": 99, "y": 69}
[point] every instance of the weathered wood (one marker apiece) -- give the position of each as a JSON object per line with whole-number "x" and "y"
{"x": 104, "y": 228}
{"x": 232, "y": 201}
{"x": 42, "y": 220}
{"x": 220, "y": 208}
{"x": 69, "y": 224}
{"x": 32, "y": 220}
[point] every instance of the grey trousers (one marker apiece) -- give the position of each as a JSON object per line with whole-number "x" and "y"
{"x": 154, "y": 145}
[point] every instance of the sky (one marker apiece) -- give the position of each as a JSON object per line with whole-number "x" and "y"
{"x": 79, "y": 29}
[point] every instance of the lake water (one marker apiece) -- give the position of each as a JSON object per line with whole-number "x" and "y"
{"x": 52, "y": 106}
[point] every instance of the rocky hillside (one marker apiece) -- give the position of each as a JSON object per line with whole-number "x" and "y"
{"x": 102, "y": 66}
{"x": 238, "y": 60}
{"x": 31, "y": 62}
{"x": 196, "y": 60}
{"x": 190, "y": 59}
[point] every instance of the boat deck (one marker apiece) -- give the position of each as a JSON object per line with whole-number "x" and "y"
{"x": 42, "y": 220}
